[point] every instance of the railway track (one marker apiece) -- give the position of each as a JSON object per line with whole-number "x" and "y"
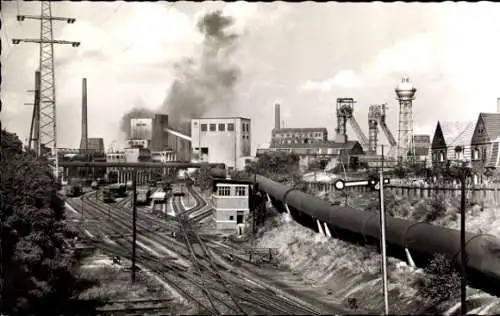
{"x": 171, "y": 272}
{"x": 188, "y": 232}
{"x": 240, "y": 291}
{"x": 225, "y": 287}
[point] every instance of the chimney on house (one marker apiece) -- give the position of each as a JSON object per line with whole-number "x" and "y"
{"x": 277, "y": 116}
{"x": 84, "y": 140}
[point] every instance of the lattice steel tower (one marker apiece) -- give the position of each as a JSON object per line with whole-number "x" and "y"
{"x": 405, "y": 93}
{"x": 47, "y": 110}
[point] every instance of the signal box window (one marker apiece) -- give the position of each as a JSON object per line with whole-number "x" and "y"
{"x": 213, "y": 127}
{"x": 240, "y": 191}
{"x": 231, "y": 218}
{"x": 224, "y": 191}
{"x": 222, "y": 127}
{"x": 203, "y": 127}
{"x": 230, "y": 127}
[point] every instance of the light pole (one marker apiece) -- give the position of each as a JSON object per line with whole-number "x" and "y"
{"x": 383, "y": 235}
{"x": 462, "y": 175}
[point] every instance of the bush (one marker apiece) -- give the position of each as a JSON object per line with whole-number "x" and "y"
{"x": 440, "y": 283}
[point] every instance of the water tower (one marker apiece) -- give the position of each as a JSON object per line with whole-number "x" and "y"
{"x": 405, "y": 94}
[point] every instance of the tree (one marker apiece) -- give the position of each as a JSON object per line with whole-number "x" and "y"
{"x": 400, "y": 171}
{"x": 203, "y": 177}
{"x": 37, "y": 265}
{"x": 278, "y": 166}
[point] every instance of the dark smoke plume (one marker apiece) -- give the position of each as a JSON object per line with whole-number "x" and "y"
{"x": 205, "y": 86}
{"x": 139, "y": 111}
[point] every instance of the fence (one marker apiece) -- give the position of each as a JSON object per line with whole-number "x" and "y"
{"x": 486, "y": 193}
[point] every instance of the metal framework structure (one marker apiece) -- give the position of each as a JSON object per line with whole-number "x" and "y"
{"x": 47, "y": 108}
{"x": 405, "y": 94}
{"x": 376, "y": 118}
{"x": 345, "y": 110}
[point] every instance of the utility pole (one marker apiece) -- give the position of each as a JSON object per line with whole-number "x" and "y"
{"x": 382, "y": 239}
{"x": 134, "y": 219}
{"x": 35, "y": 119}
{"x": 463, "y": 253}
{"x": 47, "y": 105}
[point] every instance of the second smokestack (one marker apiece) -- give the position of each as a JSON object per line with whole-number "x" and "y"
{"x": 84, "y": 141}
{"x": 277, "y": 116}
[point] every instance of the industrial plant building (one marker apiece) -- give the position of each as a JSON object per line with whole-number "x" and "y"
{"x": 284, "y": 136}
{"x": 221, "y": 140}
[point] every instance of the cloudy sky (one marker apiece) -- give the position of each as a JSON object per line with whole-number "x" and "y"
{"x": 302, "y": 55}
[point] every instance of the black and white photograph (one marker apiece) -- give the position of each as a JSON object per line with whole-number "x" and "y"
{"x": 249, "y": 158}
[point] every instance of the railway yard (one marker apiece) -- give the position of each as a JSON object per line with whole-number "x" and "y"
{"x": 202, "y": 272}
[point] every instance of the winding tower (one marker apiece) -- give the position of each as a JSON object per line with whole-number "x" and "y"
{"x": 405, "y": 94}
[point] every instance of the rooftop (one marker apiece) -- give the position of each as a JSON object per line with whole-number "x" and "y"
{"x": 223, "y": 118}
{"x": 452, "y": 130}
{"x": 492, "y": 124}
{"x": 326, "y": 144}
{"x": 299, "y": 129}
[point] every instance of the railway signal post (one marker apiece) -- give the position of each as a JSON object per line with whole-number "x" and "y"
{"x": 377, "y": 185}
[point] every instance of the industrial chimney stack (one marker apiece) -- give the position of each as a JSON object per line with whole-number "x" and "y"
{"x": 277, "y": 116}
{"x": 498, "y": 105}
{"x": 84, "y": 141}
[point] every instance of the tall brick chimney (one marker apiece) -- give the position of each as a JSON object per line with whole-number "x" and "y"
{"x": 84, "y": 141}
{"x": 498, "y": 105}
{"x": 277, "y": 116}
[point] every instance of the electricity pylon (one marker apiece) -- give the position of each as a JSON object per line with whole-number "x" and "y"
{"x": 47, "y": 107}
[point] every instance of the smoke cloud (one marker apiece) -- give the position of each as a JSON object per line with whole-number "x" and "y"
{"x": 203, "y": 85}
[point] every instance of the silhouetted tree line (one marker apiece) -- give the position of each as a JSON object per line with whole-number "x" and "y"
{"x": 37, "y": 264}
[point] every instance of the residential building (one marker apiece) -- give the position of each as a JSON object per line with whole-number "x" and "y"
{"x": 447, "y": 138}
{"x": 284, "y": 136}
{"x": 221, "y": 140}
{"x": 484, "y": 145}
{"x": 231, "y": 200}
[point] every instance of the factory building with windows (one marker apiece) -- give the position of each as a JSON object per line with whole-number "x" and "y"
{"x": 221, "y": 140}
{"x": 231, "y": 200}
